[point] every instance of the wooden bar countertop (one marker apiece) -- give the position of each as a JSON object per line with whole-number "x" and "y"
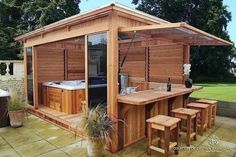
{"x": 154, "y": 95}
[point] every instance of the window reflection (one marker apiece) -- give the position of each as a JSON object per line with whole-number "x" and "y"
{"x": 97, "y": 69}
{"x": 29, "y": 76}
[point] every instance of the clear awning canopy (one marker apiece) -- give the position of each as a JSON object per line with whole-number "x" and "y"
{"x": 174, "y": 32}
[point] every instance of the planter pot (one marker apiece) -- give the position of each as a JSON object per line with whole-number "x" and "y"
{"x": 16, "y": 118}
{"x": 95, "y": 147}
{"x": 189, "y": 83}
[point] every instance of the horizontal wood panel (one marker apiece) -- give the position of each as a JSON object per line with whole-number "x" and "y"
{"x": 164, "y": 79}
{"x": 134, "y": 64}
{"x": 76, "y": 64}
{"x": 50, "y": 65}
{"x": 166, "y": 62}
{"x": 51, "y": 61}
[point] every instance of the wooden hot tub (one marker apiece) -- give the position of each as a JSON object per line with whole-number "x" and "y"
{"x": 65, "y": 96}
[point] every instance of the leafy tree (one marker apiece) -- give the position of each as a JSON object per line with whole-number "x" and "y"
{"x": 21, "y": 16}
{"x": 208, "y": 62}
{"x": 38, "y": 13}
{"x": 9, "y": 17}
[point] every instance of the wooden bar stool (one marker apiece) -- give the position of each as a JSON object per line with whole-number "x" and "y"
{"x": 167, "y": 125}
{"x": 212, "y": 110}
{"x": 190, "y": 116}
{"x": 203, "y": 108}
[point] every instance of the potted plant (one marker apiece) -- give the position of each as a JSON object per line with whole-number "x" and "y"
{"x": 96, "y": 126}
{"x": 16, "y": 110}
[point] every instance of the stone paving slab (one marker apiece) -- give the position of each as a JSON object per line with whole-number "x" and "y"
{"x": 39, "y": 138}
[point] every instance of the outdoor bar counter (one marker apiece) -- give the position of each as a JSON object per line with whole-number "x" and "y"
{"x": 135, "y": 108}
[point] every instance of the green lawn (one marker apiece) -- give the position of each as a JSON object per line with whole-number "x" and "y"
{"x": 217, "y": 91}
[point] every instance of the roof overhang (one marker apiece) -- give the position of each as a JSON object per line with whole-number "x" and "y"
{"x": 91, "y": 14}
{"x": 177, "y": 33}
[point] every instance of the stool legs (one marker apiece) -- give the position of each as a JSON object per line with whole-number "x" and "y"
{"x": 210, "y": 115}
{"x": 188, "y": 130}
{"x": 167, "y": 125}
{"x": 214, "y": 114}
{"x": 159, "y": 136}
{"x": 167, "y": 141}
{"x": 177, "y": 139}
{"x": 195, "y": 127}
{"x": 204, "y": 121}
{"x": 149, "y": 139}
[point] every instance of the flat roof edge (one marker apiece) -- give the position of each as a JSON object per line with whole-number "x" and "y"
{"x": 109, "y": 6}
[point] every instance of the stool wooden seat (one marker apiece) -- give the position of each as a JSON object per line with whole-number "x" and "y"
{"x": 203, "y": 108}
{"x": 190, "y": 116}
{"x": 167, "y": 125}
{"x": 212, "y": 110}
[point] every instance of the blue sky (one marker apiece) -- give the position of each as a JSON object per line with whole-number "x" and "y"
{"x": 232, "y": 25}
{"x": 87, "y": 5}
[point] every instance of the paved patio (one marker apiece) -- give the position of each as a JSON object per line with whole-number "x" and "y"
{"x": 39, "y": 138}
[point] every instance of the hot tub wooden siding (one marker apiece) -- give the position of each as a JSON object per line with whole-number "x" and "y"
{"x": 67, "y": 101}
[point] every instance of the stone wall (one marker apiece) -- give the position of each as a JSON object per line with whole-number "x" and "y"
{"x": 12, "y": 80}
{"x": 15, "y": 85}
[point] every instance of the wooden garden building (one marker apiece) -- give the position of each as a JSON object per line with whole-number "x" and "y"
{"x": 76, "y": 61}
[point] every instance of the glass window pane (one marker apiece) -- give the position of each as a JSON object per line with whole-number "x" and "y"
{"x": 29, "y": 76}
{"x": 97, "y": 69}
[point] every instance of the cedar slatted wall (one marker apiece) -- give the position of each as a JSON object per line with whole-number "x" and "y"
{"x": 166, "y": 61}
{"x": 50, "y": 65}
{"x": 134, "y": 64}
{"x": 51, "y": 62}
{"x": 76, "y": 67}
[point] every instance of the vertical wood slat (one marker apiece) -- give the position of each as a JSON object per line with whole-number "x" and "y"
{"x": 147, "y": 64}
{"x": 65, "y": 64}
{"x": 35, "y": 77}
{"x": 25, "y": 75}
{"x": 112, "y": 75}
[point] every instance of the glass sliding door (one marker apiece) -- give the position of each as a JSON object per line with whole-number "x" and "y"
{"x": 97, "y": 69}
{"x": 29, "y": 69}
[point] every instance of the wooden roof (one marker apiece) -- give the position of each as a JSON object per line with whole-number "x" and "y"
{"x": 85, "y": 15}
{"x": 176, "y": 32}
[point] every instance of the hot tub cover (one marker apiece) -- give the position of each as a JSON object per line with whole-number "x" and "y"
{"x": 4, "y": 93}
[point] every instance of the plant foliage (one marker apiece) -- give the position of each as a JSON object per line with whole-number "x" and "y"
{"x": 15, "y": 104}
{"x": 96, "y": 124}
